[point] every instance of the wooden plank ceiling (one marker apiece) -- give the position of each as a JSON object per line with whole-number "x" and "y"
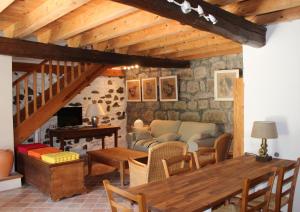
{"x": 109, "y": 26}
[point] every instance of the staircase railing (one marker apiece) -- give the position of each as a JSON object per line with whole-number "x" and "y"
{"x": 65, "y": 74}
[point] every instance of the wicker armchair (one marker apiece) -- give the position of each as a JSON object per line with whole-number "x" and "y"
{"x": 153, "y": 171}
{"x": 218, "y": 153}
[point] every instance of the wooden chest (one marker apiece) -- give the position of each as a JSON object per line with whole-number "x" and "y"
{"x": 57, "y": 180}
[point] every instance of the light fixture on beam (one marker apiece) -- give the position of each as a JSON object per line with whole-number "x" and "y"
{"x": 130, "y": 67}
{"x": 187, "y": 8}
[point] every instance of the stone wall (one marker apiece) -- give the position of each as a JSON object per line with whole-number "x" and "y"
{"x": 196, "y": 94}
{"x": 109, "y": 91}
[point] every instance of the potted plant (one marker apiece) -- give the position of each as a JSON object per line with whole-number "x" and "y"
{"x": 6, "y": 162}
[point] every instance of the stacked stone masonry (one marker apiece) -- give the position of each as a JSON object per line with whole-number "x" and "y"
{"x": 196, "y": 94}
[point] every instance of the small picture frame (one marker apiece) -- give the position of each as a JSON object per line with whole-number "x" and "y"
{"x": 149, "y": 89}
{"x": 223, "y": 84}
{"x": 168, "y": 89}
{"x": 133, "y": 90}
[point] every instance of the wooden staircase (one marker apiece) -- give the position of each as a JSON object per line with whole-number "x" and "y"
{"x": 70, "y": 77}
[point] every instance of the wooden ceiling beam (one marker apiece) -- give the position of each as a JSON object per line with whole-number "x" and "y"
{"x": 96, "y": 15}
{"x": 201, "y": 50}
{"x": 162, "y": 30}
{"x": 258, "y": 7}
{"x": 276, "y": 17}
{"x": 213, "y": 53}
{"x": 131, "y": 23}
{"x": 22, "y": 48}
{"x": 205, "y": 42}
{"x": 41, "y": 16}
{"x": 31, "y": 67}
{"x": 229, "y": 25}
{"x": 165, "y": 41}
{"x": 4, "y": 4}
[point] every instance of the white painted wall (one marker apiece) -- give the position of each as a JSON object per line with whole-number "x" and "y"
{"x": 6, "y": 117}
{"x": 272, "y": 91}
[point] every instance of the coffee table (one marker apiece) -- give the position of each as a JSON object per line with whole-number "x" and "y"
{"x": 116, "y": 157}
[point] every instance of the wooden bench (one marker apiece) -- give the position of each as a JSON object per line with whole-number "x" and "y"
{"x": 56, "y": 180}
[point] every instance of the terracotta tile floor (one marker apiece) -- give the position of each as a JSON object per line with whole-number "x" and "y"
{"x": 28, "y": 198}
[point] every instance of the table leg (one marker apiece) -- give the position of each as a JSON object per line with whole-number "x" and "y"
{"x": 103, "y": 143}
{"x": 62, "y": 143}
{"x": 51, "y": 140}
{"x": 89, "y": 164}
{"x": 122, "y": 172}
{"x": 116, "y": 138}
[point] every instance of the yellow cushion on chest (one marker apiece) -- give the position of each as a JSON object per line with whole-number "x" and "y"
{"x": 60, "y": 157}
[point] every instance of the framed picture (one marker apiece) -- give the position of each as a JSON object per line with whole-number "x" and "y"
{"x": 168, "y": 90}
{"x": 223, "y": 84}
{"x": 149, "y": 89}
{"x": 133, "y": 90}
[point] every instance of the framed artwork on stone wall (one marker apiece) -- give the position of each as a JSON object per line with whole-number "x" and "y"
{"x": 133, "y": 90}
{"x": 168, "y": 90}
{"x": 223, "y": 84}
{"x": 149, "y": 89}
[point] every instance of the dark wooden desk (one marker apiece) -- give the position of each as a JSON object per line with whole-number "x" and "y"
{"x": 204, "y": 188}
{"x": 84, "y": 132}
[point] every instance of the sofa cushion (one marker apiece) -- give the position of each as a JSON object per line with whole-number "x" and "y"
{"x": 143, "y": 135}
{"x": 188, "y": 129}
{"x": 168, "y": 137}
{"x": 160, "y": 127}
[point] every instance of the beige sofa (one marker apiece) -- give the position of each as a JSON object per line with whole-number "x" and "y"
{"x": 195, "y": 134}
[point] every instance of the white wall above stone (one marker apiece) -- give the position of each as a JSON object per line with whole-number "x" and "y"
{"x": 272, "y": 91}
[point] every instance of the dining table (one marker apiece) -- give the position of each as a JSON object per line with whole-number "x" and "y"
{"x": 206, "y": 188}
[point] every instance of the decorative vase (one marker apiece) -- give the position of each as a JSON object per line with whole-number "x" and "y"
{"x": 6, "y": 162}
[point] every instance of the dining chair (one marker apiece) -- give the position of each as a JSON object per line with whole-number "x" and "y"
{"x": 253, "y": 188}
{"x": 211, "y": 155}
{"x": 184, "y": 164}
{"x": 285, "y": 188}
{"x": 140, "y": 173}
{"x": 115, "y": 206}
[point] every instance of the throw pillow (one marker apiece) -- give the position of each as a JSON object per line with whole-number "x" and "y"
{"x": 168, "y": 137}
{"x": 143, "y": 135}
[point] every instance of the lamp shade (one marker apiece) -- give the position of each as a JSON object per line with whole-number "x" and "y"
{"x": 264, "y": 129}
{"x": 138, "y": 123}
{"x": 95, "y": 110}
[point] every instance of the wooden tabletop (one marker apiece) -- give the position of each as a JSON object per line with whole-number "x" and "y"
{"x": 118, "y": 153}
{"x": 204, "y": 188}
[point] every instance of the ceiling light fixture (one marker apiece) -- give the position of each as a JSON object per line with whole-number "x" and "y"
{"x": 130, "y": 67}
{"x": 187, "y": 8}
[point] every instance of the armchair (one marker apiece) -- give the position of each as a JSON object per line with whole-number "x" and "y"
{"x": 153, "y": 171}
{"x": 210, "y": 155}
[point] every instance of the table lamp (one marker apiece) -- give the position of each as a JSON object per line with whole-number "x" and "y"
{"x": 264, "y": 130}
{"x": 95, "y": 111}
